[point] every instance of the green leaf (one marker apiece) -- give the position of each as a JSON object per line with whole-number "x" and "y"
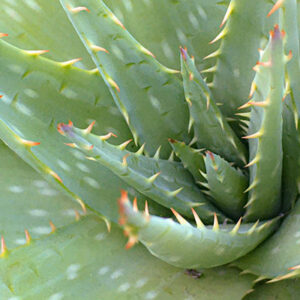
{"x": 165, "y": 182}
{"x": 37, "y": 24}
{"x": 211, "y": 129}
{"x": 237, "y": 52}
{"x": 169, "y": 24}
{"x": 27, "y": 201}
{"x": 191, "y": 158}
{"x": 149, "y": 95}
{"x": 265, "y": 132}
{"x": 38, "y": 92}
{"x": 279, "y": 253}
{"x": 52, "y": 91}
{"x": 226, "y": 185}
{"x": 83, "y": 260}
{"x": 287, "y": 290}
{"x": 186, "y": 246}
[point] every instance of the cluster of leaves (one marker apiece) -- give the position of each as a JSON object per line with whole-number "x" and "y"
{"x": 187, "y": 161}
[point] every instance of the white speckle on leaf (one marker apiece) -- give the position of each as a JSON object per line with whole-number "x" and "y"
{"x": 100, "y": 236}
{"x": 63, "y": 165}
{"x": 193, "y": 20}
{"x": 33, "y": 4}
{"x": 24, "y": 109}
{"x": 128, "y": 6}
{"x": 41, "y": 230}
{"x": 167, "y": 49}
{"x": 13, "y": 14}
{"x": 31, "y": 93}
{"x": 92, "y": 182}
{"x": 69, "y": 93}
{"x": 103, "y": 270}
{"x": 82, "y": 167}
{"x": 201, "y": 12}
{"x": 124, "y": 287}
{"x": 72, "y": 271}
{"x": 141, "y": 282}
{"x": 16, "y": 69}
{"x": 78, "y": 154}
{"x": 48, "y": 192}
{"x": 57, "y": 296}
{"x": 69, "y": 212}
{"x": 16, "y": 189}
{"x": 116, "y": 274}
{"x": 20, "y": 241}
{"x": 40, "y": 183}
{"x": 151, "y": 295}
{"x": 181, "y": 36}
{"x": 38, "y": 212}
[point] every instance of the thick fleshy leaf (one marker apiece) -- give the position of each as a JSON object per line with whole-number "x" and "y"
{"x": 290, "y": 137}
{"x": 226, "y": 186}
{"x": 84, "y": 261}
{"x": 37, "y": 24}
{"x": 186, "y": 246}
{"x": 53, "y": 91}
{"x": 211, "y": 128}
{"x": 36, "y": 93}
{"x": 279, "y": 256}
{"x": 163, "y": 181}
{"x": 265, "y": 132}
{"x": 169, "y": 24}
{"x": 27, "y": 201}
{"x": 149, "y": 95}
{"x": 287, "y": 290}
{"x": 191, "y": 158}
{"x": 240, "y": 37}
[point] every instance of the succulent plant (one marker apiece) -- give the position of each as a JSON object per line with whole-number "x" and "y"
{"x": 191, "y": 149}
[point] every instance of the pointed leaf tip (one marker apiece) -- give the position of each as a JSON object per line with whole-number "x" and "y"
{"x": 63, "y": 128}
{"x": 131, "y": 242}
{"x": 89, "y": 128}
{"x": 29, "y": 143}
{"x": 146, "y": 211}
{"x": 3, "y": 247}
{"x": 27, "y": 236}
{"x": 123, "y": 200}
{"x": 183, "y": 53}
{"x": 36, "y": 52}
{"x": 134, "y": 205}
{"x": 53, "y": 227}
{"x": 70, "y": 62}
{"x": 179, "y": 218}
{"x": 78, "y": 9}
{"x": 275, "y": 7}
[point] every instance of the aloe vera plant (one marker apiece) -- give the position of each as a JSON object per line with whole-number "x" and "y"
{"x": 169, "y": 128}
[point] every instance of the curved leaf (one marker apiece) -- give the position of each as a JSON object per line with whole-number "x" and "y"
{"x": 36, "y": 92}
{"x": 166, "y": 182}
{"x": 185, "y": 246}
{"x": 226, "y": 185}
{"x": 37, "y": 24}
{"x": 27, "y": 201}
{"x": 287, "y": 290}
{"x": 265, "y": 132}
{"x": 279, "y": 256}
{"x": 211, "y": 129}
{"x": 169, "y": 24}
{"x": 149, "y": 95}
{"x": 83, "y": 260}
{"x": 191, "y": 159}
